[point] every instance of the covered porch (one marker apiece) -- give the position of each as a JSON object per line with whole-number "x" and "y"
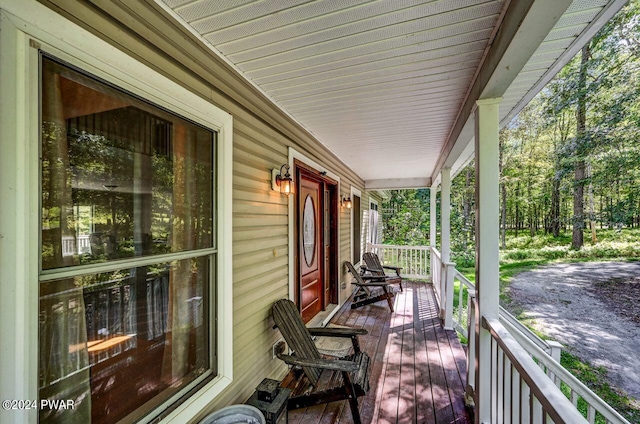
{"x": 419, "y": 368}
{"x": 365, "y": 97}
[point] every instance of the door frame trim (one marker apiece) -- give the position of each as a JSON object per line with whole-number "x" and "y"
{"x": 315, "y": 177}
{"x": 295, "y": 155}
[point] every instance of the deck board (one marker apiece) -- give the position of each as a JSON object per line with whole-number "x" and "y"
{"x": 425, "y": 408}
{"x": 418, "y": 368}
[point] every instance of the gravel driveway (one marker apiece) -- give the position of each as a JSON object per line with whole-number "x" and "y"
{"x": 593, "y": 309}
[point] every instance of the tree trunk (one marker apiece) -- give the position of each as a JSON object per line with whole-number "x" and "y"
{"x": 466, "y": 207}
{"x": 610, "y": 199}
{"x": 592, "y": 207}
{"x": 503, "y": 191}
{"x": 555, "y": 207}
{"x": 517, "y": 223}
{"x": 503, "y": 230}
{"x": 577, "y": 239}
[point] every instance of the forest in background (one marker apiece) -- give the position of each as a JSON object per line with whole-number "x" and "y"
{"x": 570, "y": 160}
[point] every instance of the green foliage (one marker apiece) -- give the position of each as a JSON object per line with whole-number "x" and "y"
{"x": 464, "y": 259}
{"x": 542, "y": 146}
{"x": 615, "y": 244}
{"x": 518, "y": 255}
{"x": 406, "y": 215}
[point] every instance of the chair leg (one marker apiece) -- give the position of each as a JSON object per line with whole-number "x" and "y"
{"x": 398, "y": 273}
{"x": 389, "y": 298}
{"x": 353, "y": 400}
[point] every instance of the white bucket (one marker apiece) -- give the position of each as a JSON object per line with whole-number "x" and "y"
{"x": 235, "y": 414}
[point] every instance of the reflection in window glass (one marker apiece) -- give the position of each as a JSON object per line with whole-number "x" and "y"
{"x": 120, "y": 178}
{"x": 121, "y": 342}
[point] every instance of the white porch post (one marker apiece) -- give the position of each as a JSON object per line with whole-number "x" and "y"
{"x": 449, "y": 269}
{"x": 447, "y": 265}
{"x": 433, "y": 229}
{"x": 433, "y": 216}
{"x": 487, "y": 245}
{"x": 446, "y": 301}
{"x": 445, "y": 214}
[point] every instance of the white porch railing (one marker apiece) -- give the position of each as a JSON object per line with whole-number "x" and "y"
{"x": 520, "y": 391}
{"x": 520, "y": 332}
{"x": 527, "y": 385}
{"x": 414, "y": 260}
{"x": 75, "y": 245}
{"x": 436, "y": 274}
{"x": 578, "y": 393}
{"x": 461, "y": 311}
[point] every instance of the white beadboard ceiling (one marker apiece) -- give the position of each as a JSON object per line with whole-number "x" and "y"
{"x": 381, "y": 83}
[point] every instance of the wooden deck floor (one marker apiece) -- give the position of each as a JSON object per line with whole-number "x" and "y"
{"x": 418, "y": 370}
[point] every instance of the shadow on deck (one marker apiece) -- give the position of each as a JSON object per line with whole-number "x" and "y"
{"x": 419, "y": 369}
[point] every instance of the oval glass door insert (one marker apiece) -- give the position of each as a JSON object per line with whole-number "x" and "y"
{"x": 309, "y": 230}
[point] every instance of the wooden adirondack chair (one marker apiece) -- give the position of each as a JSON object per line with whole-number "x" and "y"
{"x": 366, "y": 291}
{"x": 323, "y": 380}
{"x": 376, "y": 269}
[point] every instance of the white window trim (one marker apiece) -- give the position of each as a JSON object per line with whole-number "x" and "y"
{"x": 354, "y": 191}
{"x": 25, "y": 25}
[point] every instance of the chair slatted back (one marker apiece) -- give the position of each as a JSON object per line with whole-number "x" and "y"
{"x": 295, "y": 333}
{"x": 373, "y": 263}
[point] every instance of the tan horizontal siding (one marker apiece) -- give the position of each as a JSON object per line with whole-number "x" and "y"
{"x": 251, "y": 233}
{"x": 249, "y": 259}
{"x": 258, "y": 270}
{"x": 248, "y": 208}
{"x": 244, "y": 220}
{"x": 259, "y": 244}
{"x": 247, "y": 169}
{"x": 256, "y": 153}
{"x": 243, "y": 193}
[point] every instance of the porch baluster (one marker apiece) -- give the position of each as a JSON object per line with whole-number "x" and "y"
{"x": 449, "y": 271}
{"x": 471, "y": 361}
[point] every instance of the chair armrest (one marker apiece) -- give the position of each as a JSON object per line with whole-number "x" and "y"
{"x": 351, "y": 333}
{"x": 393, "y": 268}
{"x": 337, "y": 332}
{"x": 327, "y": 364}
{"x": 371, "y": 284}
{"x": 371, "y": 277}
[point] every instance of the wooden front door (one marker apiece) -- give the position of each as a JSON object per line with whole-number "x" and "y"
{"x": 310, "y": 246}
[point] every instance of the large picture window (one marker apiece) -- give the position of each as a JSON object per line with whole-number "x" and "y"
{"x": 128, "y": 250}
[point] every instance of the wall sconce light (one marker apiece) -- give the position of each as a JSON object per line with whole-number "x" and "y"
{"x": 346, "y": 202}
{"x": 280, "y": 180}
